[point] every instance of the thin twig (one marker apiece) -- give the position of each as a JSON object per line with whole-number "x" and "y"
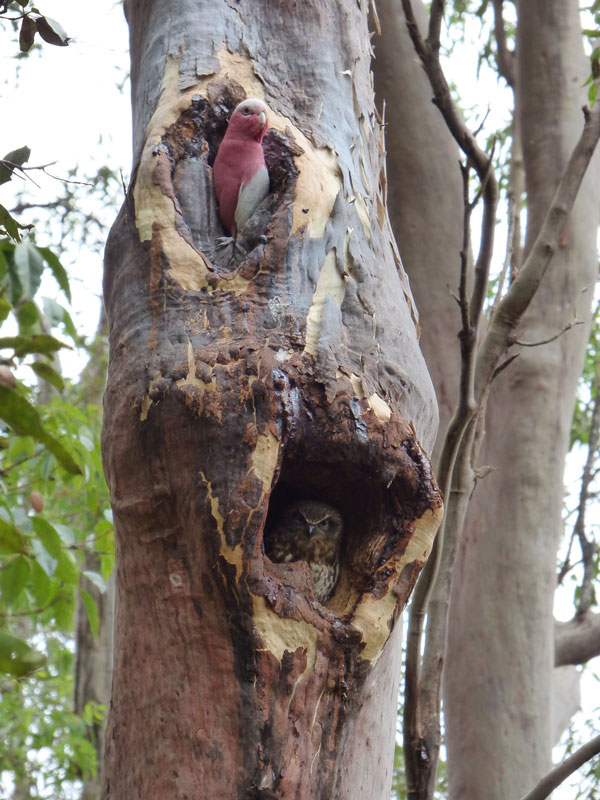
{"x": 562, "y": 771}
{"x": 553, "y": 338}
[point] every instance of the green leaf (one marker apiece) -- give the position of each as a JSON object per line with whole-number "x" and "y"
{"x": 24, "y": 419}
{"x": 52, "y": 32}
{"x": 41, "y": 586}
{"x": 46, "y": 373}
{"x": 17, "y": 657}
{"x": 40, "y": 343}
{"x": 29, "y": 266}
{"x": 13, "y": 580}
{"x": 43, "y": 558}
{"x": 107, "y": 565}
{"x": 5, "y": 308}
{"x": 59, "y": 272}
{"x": 92, "y": 611}
{"x": 48, "y": 536}
{"x": 67, "y": 535}
{"x": 96, "y": 579}
{"x": 27, "y": 34}
{"x": 11, "y": 538}
{"x": 63, "y": 611}
{"x": 67, "y": 571}
{"x": 28, "y": 315}
{"x": 8, "y": 224}
{"x": 18, "y": 157}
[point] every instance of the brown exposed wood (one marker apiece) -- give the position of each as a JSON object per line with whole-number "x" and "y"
{"x": 238, "y": 385}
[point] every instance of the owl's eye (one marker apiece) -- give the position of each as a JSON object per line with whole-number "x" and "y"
{"x": 325, "y": 523}
{"x": 299, "y": 516}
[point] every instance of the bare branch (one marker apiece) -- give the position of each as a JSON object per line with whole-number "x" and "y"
{"x": 553, "y": 338}
{"x": 514, "y": 304}
{"x": 578, "y": 640}
{"x": 561, "y": 772}
{"x": 505, "y": 57}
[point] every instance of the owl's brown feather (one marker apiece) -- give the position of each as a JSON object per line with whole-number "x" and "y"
{"x": 310, "y": 531}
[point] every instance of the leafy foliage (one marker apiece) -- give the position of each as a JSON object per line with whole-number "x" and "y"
{"x": 29, "y": 21}
{"x": 54, "y": 513}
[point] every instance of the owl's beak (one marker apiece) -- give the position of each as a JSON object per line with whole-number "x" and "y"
{"x": 312, "y": 529}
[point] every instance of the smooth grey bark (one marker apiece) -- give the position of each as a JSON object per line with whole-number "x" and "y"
{"x": 498, "y": 720}
{"x": 578, "y": 640}
{"x": 425, "y": 197}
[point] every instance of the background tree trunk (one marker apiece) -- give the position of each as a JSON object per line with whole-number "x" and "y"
{"x": 498, "y": 721}
{"x": 425, "y": 197}
{"x": 235, "y": 388}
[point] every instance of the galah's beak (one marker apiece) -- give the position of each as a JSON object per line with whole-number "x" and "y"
{"x": 262, "y": 118}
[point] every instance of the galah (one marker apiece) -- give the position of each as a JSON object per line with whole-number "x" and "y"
{"x": 240, "y": 174}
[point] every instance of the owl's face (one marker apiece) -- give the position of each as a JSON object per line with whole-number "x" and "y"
{"x": 316, "y": 529}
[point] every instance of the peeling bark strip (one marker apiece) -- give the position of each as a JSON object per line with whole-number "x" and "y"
{"x": 238, "y": 385}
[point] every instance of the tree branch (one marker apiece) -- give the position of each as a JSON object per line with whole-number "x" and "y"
{"x": 514, "y": 304}
{"x": 422, "y": 696}
{"x": 561, "y": 772}
{"x": 505, "y": 57}
{"x": 578, "y": 640}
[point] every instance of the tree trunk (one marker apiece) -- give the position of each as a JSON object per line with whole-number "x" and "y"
{"x": 498, "y": 678}
{"x": 425, "y": 197}
{"x": 93, "y": 666}
{"x": 235, "y": 388}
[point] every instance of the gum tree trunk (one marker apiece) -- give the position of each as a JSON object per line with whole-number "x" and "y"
{"x": 238, "y": 385}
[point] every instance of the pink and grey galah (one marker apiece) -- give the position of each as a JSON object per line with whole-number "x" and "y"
{"x": 240, "y": 175}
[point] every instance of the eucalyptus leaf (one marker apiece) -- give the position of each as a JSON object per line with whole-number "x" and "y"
{"x": 92, "y": 611}
{"x": 11, "y": 538}
{"x": 52, "y": 32}
{"x": 16, "y": 157}
{"x": 57, "y": 269}
{"x": 13, "y": 579}
{"x": 24, "y": 419}
{"x": 5, "y": 308}
{"x": 28, "y": 315}
{"x": 27, "y": 34}
{"x": 48, "y": 374}
{"x": 48, "y": 536}
{"x": 96, "y": 579}
{"x": 17, "y": 657}
{"x": 47, "y": 562}
{"x": 29, "y": 264}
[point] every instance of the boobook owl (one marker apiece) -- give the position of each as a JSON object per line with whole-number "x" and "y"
{"x": 310, "y": 531}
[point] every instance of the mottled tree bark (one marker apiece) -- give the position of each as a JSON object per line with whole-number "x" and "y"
{"x": 498, "y": 719}
{"x": 235, "y": 387}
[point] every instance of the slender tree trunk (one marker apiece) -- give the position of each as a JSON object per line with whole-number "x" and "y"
{"x": 236, "y": 387}
{"x": 498, "y": 677}
{"x": 93, "y": 668}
